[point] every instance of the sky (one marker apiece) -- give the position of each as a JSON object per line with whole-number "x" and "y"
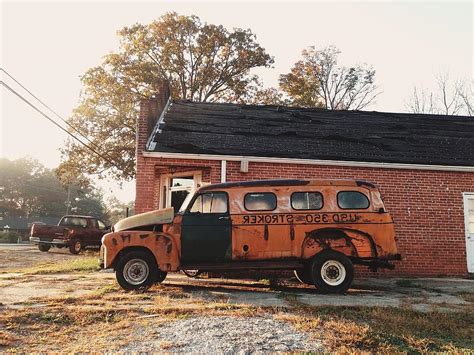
{"x": 47, "y": 46}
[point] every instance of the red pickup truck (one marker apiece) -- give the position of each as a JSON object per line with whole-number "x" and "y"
{"x": 73, "y": 232}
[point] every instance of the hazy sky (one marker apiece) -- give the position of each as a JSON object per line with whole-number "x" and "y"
{"x": 48, "y": 45}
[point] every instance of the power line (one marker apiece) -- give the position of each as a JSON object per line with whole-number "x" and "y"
{"x": 50, "y": 109}
{"x": 57, "y": 124}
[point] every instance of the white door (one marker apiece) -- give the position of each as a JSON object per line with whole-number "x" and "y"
{"x": 469, "y": 225}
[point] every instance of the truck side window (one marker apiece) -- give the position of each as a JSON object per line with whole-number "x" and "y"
{"x": 101, "y": 224}
{"x": 212, "y": 202}
{"x": 94, "y": 223}
{"x": 260, "y": 201}
{"x": 352, "y": 200}
{"x": 307, "y": 200}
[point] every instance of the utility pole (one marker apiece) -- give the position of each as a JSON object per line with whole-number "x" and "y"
{"x": 68, "y": 202}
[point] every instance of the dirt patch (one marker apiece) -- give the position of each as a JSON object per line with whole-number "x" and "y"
{"x": 219, "y": 335}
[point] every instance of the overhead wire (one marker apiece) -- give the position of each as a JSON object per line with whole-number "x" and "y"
{"x": 57, "y": 124}
{"x": 53, "y": 111}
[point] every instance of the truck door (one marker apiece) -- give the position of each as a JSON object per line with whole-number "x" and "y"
{"x": 206, "y": 229}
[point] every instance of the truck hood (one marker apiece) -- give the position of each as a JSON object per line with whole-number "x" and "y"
{"x": 145, "y": 219}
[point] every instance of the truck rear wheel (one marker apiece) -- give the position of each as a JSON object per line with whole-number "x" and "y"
{"x": 75, "y": 247}
{"x": 304, "y": 276}
{"x": 332, "y": 272}
{"x": 44, "y": 247}
{"x": 137, "y": 270}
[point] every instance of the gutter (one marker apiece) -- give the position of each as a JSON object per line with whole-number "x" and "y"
{"x": 360, "y": 164}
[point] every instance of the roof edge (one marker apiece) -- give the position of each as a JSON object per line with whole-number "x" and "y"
{"x": 360, "y": 164}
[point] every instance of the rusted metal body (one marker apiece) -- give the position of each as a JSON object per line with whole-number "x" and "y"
{"x": 281, "y": 235}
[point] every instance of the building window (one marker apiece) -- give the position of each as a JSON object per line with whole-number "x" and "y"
{"x": 211, "y": 202}
{"x": 260, "y": 201}
{"x": 349, "y": 200}
{"x": 307, "y": 200}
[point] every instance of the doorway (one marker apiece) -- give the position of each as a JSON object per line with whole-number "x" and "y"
{"x": 468, "y": 198}
{"x": 176, "y": 187}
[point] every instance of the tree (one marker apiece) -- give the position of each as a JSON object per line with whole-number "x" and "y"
{"x": 450, "y": 98}
{"x": 318, "y": 81}
{"x": 29, "y": 189}
{"x": 202, "y": 62}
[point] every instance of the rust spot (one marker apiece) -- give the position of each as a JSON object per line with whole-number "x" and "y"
{"x": 125, "y": 237}
{"x": 114, "y": 241}
{"x": 169, "y": 247}
{"x": 143, "y": 236}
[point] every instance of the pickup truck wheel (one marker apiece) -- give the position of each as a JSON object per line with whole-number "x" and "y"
{"x": 137, "y": 270}
{"x": 44, "y": 247}
{"x": 75, "y": 247}
{"x": 304, "y": 276}
{"x": 332, "y": 272}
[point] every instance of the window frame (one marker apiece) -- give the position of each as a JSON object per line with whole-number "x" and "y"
{"x": 195, "y": 197}
{"x": 263, "y": 192}
{"x": 342, "y": 208}
{"x": 307, "y": 209}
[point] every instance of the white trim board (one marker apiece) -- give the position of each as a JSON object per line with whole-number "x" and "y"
{"x": 360, "y": 164}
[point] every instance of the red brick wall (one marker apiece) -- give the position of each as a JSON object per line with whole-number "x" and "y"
{"x": 427, "y": 206}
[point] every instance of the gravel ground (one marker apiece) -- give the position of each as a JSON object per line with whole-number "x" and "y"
{"x": 223, "y": 335}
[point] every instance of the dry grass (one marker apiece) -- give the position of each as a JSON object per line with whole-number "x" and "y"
{"x": 382, "y": 329}
{"x": 83, "y": 264}
{"x": 106, "y": 316}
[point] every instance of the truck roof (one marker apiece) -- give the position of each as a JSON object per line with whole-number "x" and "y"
{"x": 289, "y": 182}
{"x": 79, "y": 216}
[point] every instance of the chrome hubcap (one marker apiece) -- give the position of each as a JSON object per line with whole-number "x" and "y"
{"x": 333, "y": 272}
{"x": 136, "y": 271}
{"x": 77, "y": 246}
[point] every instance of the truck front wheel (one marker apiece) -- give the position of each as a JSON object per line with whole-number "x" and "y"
{"x": 44, "y": 247}
{"x": 137, "y": 270}
{"x": 332, "y": 272}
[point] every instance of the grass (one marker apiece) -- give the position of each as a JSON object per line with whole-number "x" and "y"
{"x": 385, "y": 329}
{"x": 83, "y": 264}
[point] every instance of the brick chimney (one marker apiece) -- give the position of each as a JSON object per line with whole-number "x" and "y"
{"x": 150, "y": 111}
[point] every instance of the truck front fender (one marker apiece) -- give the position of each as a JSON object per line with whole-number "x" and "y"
{"x": 163, "y": 247}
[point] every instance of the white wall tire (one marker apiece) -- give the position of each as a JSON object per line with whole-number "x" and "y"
{"x": 137, "y": 270}
{"x": 332, "y": 272}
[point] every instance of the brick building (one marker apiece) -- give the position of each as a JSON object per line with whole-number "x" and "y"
{"x": 423, "y": 164}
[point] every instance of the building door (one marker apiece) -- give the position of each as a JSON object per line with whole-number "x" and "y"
{"x": 469, "y": 225}
{"x": 206, "y": 229}
{"x": 176, "y": 187}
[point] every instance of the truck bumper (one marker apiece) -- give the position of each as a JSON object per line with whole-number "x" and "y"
{"x": 37, "y": 240}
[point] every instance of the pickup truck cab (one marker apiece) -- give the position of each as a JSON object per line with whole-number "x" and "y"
{"x": 73, "y": 232}
{"x": 319, "y": 228}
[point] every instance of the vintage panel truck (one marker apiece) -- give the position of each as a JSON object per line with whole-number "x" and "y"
{"x": 319, "y": 228}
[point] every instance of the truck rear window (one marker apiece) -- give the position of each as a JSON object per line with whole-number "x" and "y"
{"x": 307, "y": 200}
{"x": 260, "y": 201}
{"x": 73, "y": 221}
{"x": 349, "y": 200}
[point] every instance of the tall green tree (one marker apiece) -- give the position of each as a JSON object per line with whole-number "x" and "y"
{"x": 318, "y": 81}
{"x": 202, "y": 62}
{"x": 28, "y": 189}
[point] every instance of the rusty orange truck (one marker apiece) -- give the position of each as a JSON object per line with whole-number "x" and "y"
{"x": 319, "y": 228}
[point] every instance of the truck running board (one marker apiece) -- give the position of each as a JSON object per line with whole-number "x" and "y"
{"x": 241, "y": 265}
